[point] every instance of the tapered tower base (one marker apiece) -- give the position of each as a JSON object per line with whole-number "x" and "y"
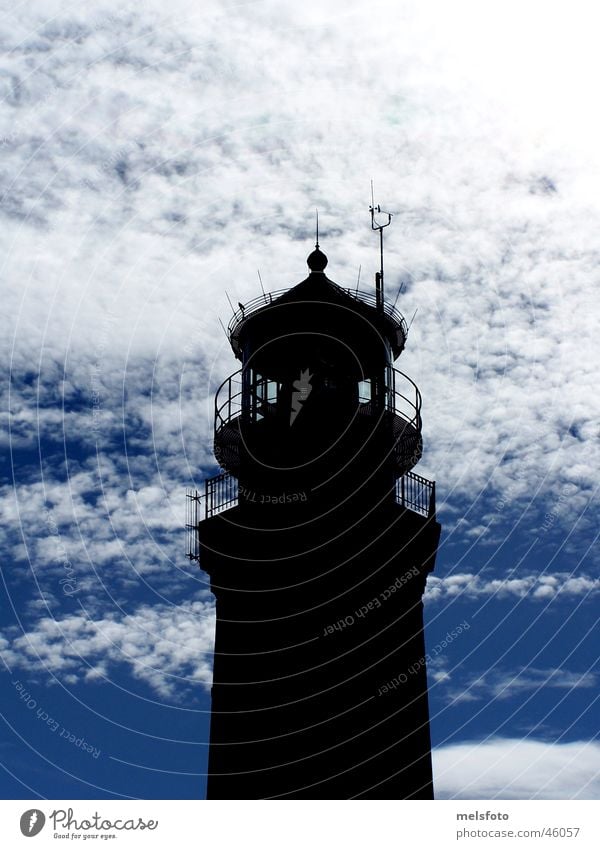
{"x": 320, "y": 684}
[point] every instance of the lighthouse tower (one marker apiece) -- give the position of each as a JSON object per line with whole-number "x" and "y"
{"x": 318, "y": 538}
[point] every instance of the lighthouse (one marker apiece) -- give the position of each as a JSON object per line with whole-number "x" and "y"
{"x": 318, "y": 537}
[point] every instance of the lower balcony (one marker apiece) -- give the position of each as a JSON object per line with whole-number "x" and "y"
{"x": 413, "y": 492}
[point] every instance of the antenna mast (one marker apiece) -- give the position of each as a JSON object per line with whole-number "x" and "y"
{"x": 375, "y": 210}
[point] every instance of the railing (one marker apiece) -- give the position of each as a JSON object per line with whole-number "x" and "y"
{"x": 400, "y": 404}
{"x": 192, "y": 520}
{"x": 417, "y": 494}
{"x": 221, "y": 493}
{"x": 228, "y": 400}
{"x": 368, "y": 298}
{"x": 406, "y": 403}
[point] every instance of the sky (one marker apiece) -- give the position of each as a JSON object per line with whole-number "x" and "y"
{"x": 153, "y": 157}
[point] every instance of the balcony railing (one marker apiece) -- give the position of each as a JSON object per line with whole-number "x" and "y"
{"x": 402, "y": 397}
{"x": 368, "y": 298}
{"x": 193, "y": 517}
{"x": 417, "y": 494}
{"x": 220, "y": 494}
{"x": 412, "y": 491}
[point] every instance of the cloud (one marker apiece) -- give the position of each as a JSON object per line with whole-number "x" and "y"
{"x": 167, "y": 647}
{"x": 536, "y": 587}
{"x": 502, "y": 684}
{"x": 154, "y": 161}
{"x": 98, "y": 529}
{"x": 517, "y": 769}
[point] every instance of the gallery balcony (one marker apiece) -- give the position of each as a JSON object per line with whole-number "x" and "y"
{"x": 221, "y": 492}
{"x": 263, "y": 406}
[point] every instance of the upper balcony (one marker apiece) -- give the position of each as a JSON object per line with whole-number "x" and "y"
{"x": 394, "y": 323}
{"x": 265, "y": 400}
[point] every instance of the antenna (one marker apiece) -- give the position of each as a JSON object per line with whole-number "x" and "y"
{"x": 398, "y": 293}
{"x": 375, "y": 210}
{"x": 317, "y": 238}
{"x": 412, "y": 319}
{"x": 230, "y": 304}
{"x": 358, "y": 280}
{"x": 261, "y": 284}
{"x": 224, "y": 331}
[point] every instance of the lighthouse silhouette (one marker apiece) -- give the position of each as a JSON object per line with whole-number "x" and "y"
{"x": 318, "y": 538}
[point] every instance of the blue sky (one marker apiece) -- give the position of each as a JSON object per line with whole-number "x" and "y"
{"x": 154, "y": 158}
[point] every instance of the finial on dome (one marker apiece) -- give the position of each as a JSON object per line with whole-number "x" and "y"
{"x": 317, "y": 261}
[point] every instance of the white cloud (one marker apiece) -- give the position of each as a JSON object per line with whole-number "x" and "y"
{"x": 539, "y": 587}
{"x": 517, "y": 769}
{"x": 97, "y": 530}
{"x": 155, "y": 159}
{"x": 167, "y": 647}
{"x": 499, "y": 683}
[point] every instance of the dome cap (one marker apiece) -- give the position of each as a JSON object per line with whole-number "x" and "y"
{"x": 317, "y": 261}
